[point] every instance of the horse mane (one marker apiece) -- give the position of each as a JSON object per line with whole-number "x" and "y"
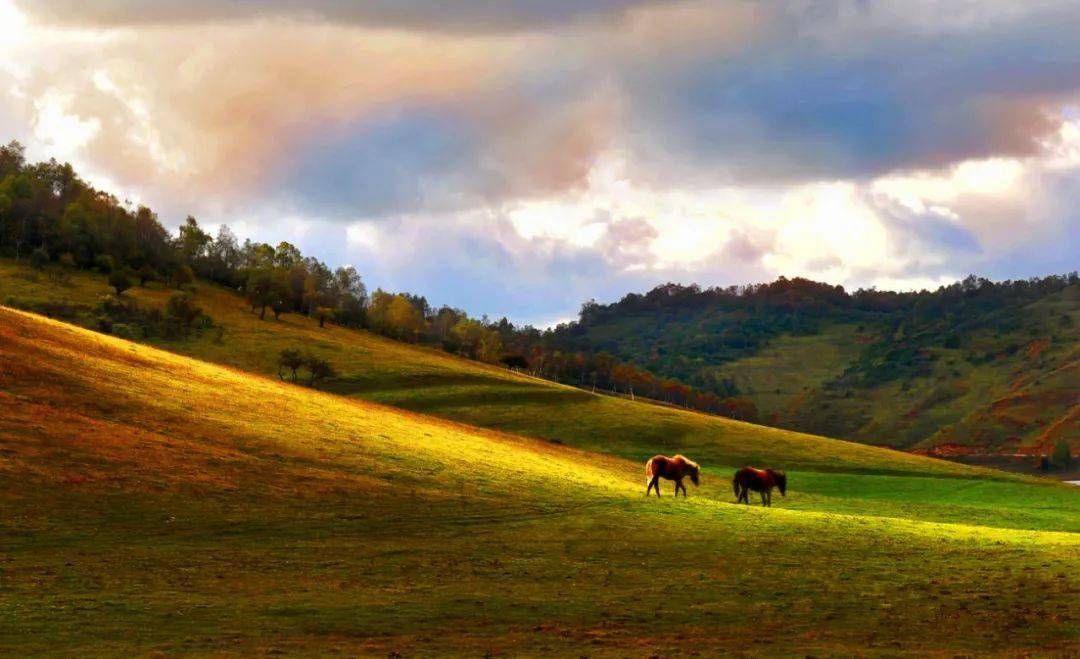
{"x": 687, "y": 460}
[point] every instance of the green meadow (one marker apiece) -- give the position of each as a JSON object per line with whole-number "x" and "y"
{"x": 177, "y": 497}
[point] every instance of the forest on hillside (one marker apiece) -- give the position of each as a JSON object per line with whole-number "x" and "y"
{"x": 686, "y": 331}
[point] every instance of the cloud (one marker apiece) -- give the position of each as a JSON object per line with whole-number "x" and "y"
{"x": 587, "y": 148}
{"x": 832, "y": 94}
{"x": 433, "y": 15}
{"x": 694, "y": 93}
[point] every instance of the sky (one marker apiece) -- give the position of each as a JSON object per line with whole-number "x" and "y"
{"x": 519, "y": 158}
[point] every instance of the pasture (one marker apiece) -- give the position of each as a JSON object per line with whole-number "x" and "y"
{"x": 154, "y": 502}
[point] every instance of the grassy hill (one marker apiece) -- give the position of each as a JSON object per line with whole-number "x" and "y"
{"x": 433, "y": 382}
{"x": 904, "y": 370}
{"x": 154, "y": 502}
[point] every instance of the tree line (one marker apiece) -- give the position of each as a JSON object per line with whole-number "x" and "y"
{"x": 49, "y": 216}
{"x": 687, "y": 333}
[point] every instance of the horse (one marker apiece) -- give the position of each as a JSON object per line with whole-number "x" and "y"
{"x": 673, "y": 469}
{"x": 758, "y": 480}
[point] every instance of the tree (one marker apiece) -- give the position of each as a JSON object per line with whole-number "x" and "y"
{"x": 292, "y": 360}
{"x": 1062, "y": 456}
{"x": 393, "y": 315}
{"x": 12, "y": 159}
{"x": 182, "y": 276}
{"x": 193, "y": 241}
{"x": 351, "y": 296}
{"x": 67, "y": 265}
{"x": 490, "y": 346}
{"x": 182, "y": 311}
{"x": 104, "y": 263}
{"x": 266, "y": 288}
{"x": 405, "y": 319}
{"x": 469, "y": 336}
{"x": 146, "y": 273}
{"x": 121, "y": 280}
{"x": 318, "y": 369}
{"x": 286, "y": 255}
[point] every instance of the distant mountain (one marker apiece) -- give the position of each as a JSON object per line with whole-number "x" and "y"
{"x": 975, "y": 366}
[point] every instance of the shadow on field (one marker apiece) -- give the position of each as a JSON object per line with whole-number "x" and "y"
{"x": 384, "y": 382}
{"x": 494, "y": 397}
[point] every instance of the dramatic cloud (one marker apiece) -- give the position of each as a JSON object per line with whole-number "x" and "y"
{"x": 435, "y": 15}
{"x": 584, "y": 148}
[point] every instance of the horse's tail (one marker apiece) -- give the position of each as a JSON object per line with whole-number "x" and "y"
{"x": 649, "y": 469}
{"x": 735, "y": 483}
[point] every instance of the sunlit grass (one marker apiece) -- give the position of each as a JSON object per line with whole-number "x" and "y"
{"x": 153, "y": 502}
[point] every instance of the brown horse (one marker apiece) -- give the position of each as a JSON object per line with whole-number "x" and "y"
{"x": 673, "y": 469}
{"x": 758, "y": 480}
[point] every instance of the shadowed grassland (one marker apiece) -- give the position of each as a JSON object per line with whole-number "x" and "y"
{"x": 152, "y": 502}
{"x": 788, "y": 368}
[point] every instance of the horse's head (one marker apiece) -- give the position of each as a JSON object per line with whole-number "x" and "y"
{"x": 695, "y": 474}
{"x": 781, "y": 482}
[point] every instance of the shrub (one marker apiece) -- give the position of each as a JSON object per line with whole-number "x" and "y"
{"x": 62, "y": 273}
{"x": 318, "y": 369}
{"x": 104, "y": 263}
{"x": 146, "y": 273}
{"x": 121, "y": 280}
{"x": 183, "y": 277}
{"x": 39, "y": 258}
{"x": 182, "y": 313}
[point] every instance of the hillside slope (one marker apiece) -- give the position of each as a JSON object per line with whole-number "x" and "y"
{"x": 902, "y": 370}
{"x": 433, "y": 382}
{"x": 153, "y": 502}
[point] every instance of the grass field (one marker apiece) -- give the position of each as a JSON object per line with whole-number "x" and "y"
{"x": 433, "y": 382}
{"x": 150, "y": 502}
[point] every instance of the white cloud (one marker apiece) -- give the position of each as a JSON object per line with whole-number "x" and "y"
{"x": 59, "y": 128}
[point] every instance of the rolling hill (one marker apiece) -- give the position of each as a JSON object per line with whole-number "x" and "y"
{"x": 432, "y": 382}
{"x": 152, "y": 502}
{"x": 917, "y": 370}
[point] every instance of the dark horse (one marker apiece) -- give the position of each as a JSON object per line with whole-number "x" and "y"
{"x": 673, "y": 469}
{"x": 758, "y": 480}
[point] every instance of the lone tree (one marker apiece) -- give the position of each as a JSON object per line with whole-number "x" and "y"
{"x": 318, "y": 369}
{"x": 292, "y": 360}
{"x": 121, "y": 280}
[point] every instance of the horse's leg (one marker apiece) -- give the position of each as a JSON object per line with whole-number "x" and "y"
{"x": 679, "y": 486}
{"x": 655, "y": 483}
{"x": 763, "y": 497}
